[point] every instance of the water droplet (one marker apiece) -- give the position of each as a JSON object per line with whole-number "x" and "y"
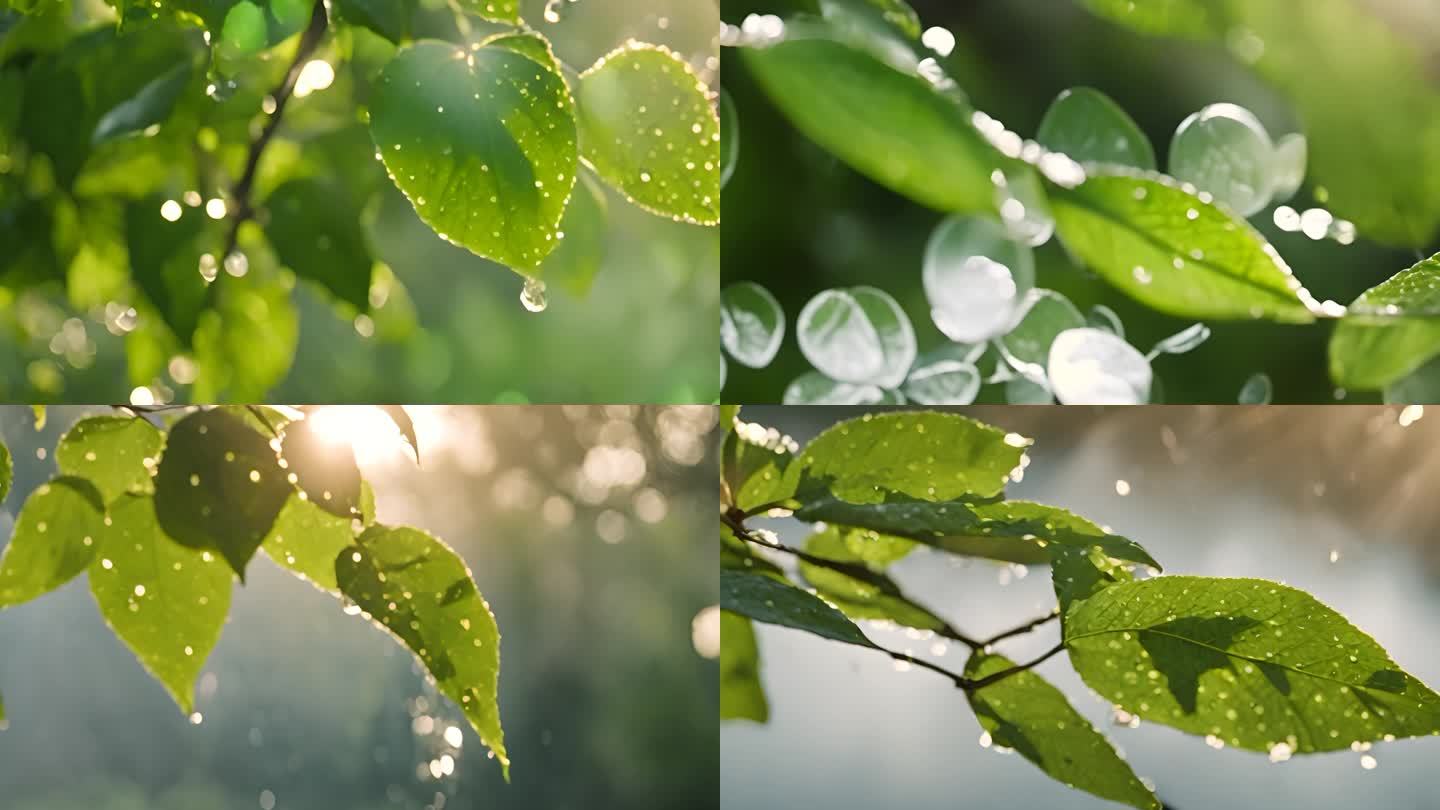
{"x": 975, "y": 275}
{"x": 1225, "y": 150}
{"x": 1094, "y": 367}
{"x": 532, "y": 295}
{"x": 858, "y": 335}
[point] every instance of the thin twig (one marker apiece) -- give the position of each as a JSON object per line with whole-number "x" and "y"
{"x": 1022, "y": 629}
{"x": 1015, "y": 670}
{"x": 240, "y": 195}
{"x": 756, "y": 511}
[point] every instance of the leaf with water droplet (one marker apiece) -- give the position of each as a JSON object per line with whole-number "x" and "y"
{"x": 729, "y": 138}
{"x": 1090, "y": 127}
{"x": 1046, "y": 314}
{"x": 925, "y": 455}
{"x": 165, "y": 255}
{"x": 1391, "y": 330}
{"x": 867, "y": 593}
{"x": 482, "y": 142}
{"x": 402, "y": 421}
{"x": 648, "y": 127}
{"x": 390, "y": 19}
{"x": 1255, "y": 663}
{"x": 315, "y": 230}
{"x": 893, "y": 127}
{"x": 503, "y": 11}
{"x": 755, "y": 473}
{"x": 975, "y": 275}
{"x": 219, "y": 486}
{"x": 578, "y": 258}
{"x": 421, "y": 591}
{"x": 814, "y": 388}
{"x": 1225, "y": 150}
{"x": 1174, "y": 252}
{"x": 167, "y": 603}
{"x": 767, "y": 600}
{"x": 54, "y": 539}
{"x": 1026, "y": 714}
{"x": 857, "y": 335}
{"x": 306, "y": 539}
{"x": 752, "y": 325}
{"x": 324, "y": 470}
{"x": 111, "y": 452}
{"x": 737, "y": 555}
{"x": 742, "y": 697}
{"x": 1257, "y": 390}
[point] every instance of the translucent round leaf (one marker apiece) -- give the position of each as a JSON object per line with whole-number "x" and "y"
{"x": 814, "y": 388}
{"x": 1182, "y": 342}
{"x": 1257, "y": 390}
{"x": 857, "y": 335}
{"x": 729, "y": 138}
{"x": 974, "y": 276}
{"x": 1045, "y": 314}
{"x": 1022, "y": 391}
{"x": 1225, "y": 150}
{"x": 1093, "y": 367}
{"x": 1088, "y": 126}
{"x": 1292, "y": 154}
{"x": 1020, "y": 199}
{"x": 752, "y": 324}
{"x": 944, "y": 383}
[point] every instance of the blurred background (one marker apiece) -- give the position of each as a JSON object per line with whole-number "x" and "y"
{"x": 445, "y": 325}
{"x": 798, "y": 221}
{"x": 583, "y": 527}
{"x": 1328, "y": 500}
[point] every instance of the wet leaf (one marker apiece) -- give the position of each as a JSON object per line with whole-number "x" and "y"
{"x": 1259, "y": 665}
{"x": 111, "y": 452}
{"x": 578, "y": 258}
{"x": 1173, "y": 251}
{"x": 219, "y": 486}
{"x": 754, "y": 472}
{"x": 1391, "y": 330}
{"x": 307, "y": 540}
{"x": 861, "y": 597}
{"x": 648, "y": 127}
{"x": 421, "y": 591}
{"x": 895, "y": 128}
{"x": 766, "y": 600}
{"x": 742, "y": 697}
{"x": 482, "y": 142}
{"x": 167, "y": 603}
{"x": 165, "y": 259}
{"x": 1026, "y": 714}
{"x": 388, "y": 18}
{"x": 925, "y": 455}
{"x": 402, "y": 421}
{"x": 1089, "y": 127}
{"x": 325, "y": 471}
{"x": 737, "y": 555}
{"x": 55, "y": 537}
{"x": 316, "y": 232}
{"x": 504, "y": 11}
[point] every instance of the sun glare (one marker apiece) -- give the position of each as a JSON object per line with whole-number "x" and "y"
{"x": 364, "y": 427}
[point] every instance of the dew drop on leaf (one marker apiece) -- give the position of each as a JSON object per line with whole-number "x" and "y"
{"x": 1225, "y": 150}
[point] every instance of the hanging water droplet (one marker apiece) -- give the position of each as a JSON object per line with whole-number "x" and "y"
{"x": 532, "y": 295}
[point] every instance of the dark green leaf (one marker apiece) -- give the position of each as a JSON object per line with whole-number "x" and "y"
{"x": 420, "y": 590}
{"x": 926, "y": 455}
{"x": 54, "y": 539}
{"x": 1391, "y": 331}
{"x": 742, "y": 697}
{"x": 388, "y": 18}
{"x": 115, "y": 453}
{"x": 767, "y": 600}
{"x": 1259, "y": 665}
{"x": 649, "y": 129}
{"x": 874, "y": 596}
{"x": 307, "y": 540}
{"x": 894, "y": 127}
{"x": 167, "y": 603}
{"x": 151, "y": 105}
{"x": 324, "y": 471}
{"x": 482, "y": 142}
{"x": 165, "y": 259}
{"x": 219, "y": 486}
{"x": 316, "y": 232}
{"x": 1024, "y": 713}
{"x": 1173, "y": 251}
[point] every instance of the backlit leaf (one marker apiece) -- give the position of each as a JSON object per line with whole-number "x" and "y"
{"x": 55, "y": 537}
{"x": 871, "y": 597}
{"x": 306, "y": 539}
{"x": 767, "y": 600}
{"x": 115, "y": 453}
{"x": 324, "y": 470}
{"x": 316, "y": 232}
{"x": 402, "y": 421}
{"x": 1391, "y": 330}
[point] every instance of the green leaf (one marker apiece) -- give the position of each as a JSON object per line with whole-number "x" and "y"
{"x": 54, "y": 539}
{"x": 402, "y": 421}
{"x": 219, "y": 486}
{"x": 1181, "y": 18}
{"x": 324, "y": 471}
{"x": 115, "y": 453}
{"x": 1024, "y": 713}
{"x": 1080, "y": 573}
{"x": 244, "y": 31}
{"x": 505, "y": 11}
{"x": 736, "y": 555}
{"x": 245, "y": 345}
{"x": 1046, "y": 314}
{"x": 893, "y": 127}
{"x": 755, "y": 470}
{"x": 307, "y": 540}
{"x": 315, "y": 230}
{"x": 752, "y": 324}
{"x": 7, "y": 471}
{"x": 1259, "y": 665}
{"x": 167, "y": 603}
{"x": 1013, "y": 531}
{"x": 767, "y": 600}
{"x": 897, "y": 13}
{"x": 742, "y": 697}
{"x": 1173, "y": 251}
{"x": 923, "y": 454}
{"x": 482, "y": 142}
{"x": 1089, "y": 127}
{"x": 388, "y": 18}
{"x": 578, "y": 258}
{"x": 1391, "y": 330}
{"x": 151, "y": 105}
{"x": 165, "y": 258}
{"x": 649, "y": 129}
{"x": 421, "y": 591}
{"x": 871, "y": 597}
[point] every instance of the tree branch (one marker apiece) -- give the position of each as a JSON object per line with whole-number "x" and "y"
{"x": 1015, "y": 670}
{"x": 1022, "y": 629}
{"x": 240, "y": 195}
